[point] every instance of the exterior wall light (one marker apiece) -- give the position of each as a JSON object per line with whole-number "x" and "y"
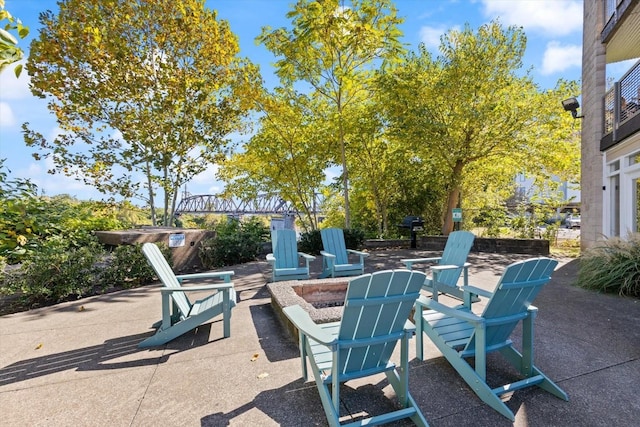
{"x": 572, "y": 105}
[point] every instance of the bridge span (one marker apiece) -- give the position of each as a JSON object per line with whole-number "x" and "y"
{"x": 264, "y": 204}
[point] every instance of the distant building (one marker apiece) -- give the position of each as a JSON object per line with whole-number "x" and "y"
{"x": 567, "y": 192}
{"x": 610, "y": 187}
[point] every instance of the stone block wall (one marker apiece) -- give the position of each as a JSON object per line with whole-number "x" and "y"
{"x": 185, "y": 258}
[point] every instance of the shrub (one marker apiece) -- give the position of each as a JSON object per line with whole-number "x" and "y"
{"x": 310, "y": 242}
{"x": 28, "y": 221}
{"x": 56, "y": 272}
{"x": 128, "y": 267}
{"x": 235, "y": 242}
{"x": 612, "y": 267}
{"x": 353, "y": 238}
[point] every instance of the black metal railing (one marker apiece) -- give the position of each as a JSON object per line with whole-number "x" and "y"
{"x": 613, "y": 10}
{"x": 622, "y": 106}
{"x": 609, "y": 9}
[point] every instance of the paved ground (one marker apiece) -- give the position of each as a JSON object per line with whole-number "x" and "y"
{"x": 77, "y": 364}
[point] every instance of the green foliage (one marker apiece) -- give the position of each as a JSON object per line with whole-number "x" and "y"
{"x": 310, "y": 242}
{"x": 9, "y": 51}
{"x": 129, "y": 268}
{"x": 612, "y": 267}
{"x": 492, "y": 220}
{"x": 334, "y": 50}
{"x": 353, "y": 238}
{"x": 235, "y": 242}
{"x": 55, "y": 272}
{"x": 284, "y": 155}
{"x": 476, "y": 117}
{"x": 151, "y": 88}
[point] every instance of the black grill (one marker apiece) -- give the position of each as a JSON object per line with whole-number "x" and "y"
{"x": 413, "y": 224}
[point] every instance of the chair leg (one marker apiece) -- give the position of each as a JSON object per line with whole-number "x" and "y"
{"x": 516, "y": 359}
{"x": 418, "y": 319}
{"x": 470, "y": 376}
{"x": 396, "y": 382}
{"x": 226, "y": 313}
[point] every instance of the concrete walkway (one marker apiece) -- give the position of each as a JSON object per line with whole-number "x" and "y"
{"x": 77, "y": 364}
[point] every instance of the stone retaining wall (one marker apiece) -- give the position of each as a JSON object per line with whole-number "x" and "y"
{"x": 185, "y": 258}
{"x": 480, "y": 244}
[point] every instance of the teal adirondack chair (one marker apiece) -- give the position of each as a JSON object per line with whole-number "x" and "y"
{"x": 459, "y": 334}
{"x": 335, "y": 256}
{"x": 374, "y": 319}
{"x": 449, "y": 266}
{"x": 183, "y": 315}
{"x": 285, "y": 257}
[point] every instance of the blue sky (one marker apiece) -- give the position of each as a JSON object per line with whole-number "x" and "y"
{"x": 553, "y": 29}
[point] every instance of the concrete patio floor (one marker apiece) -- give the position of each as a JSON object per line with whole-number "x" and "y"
{"x": 77, "y": 363}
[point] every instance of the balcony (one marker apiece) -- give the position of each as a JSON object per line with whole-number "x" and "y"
{"x": 622, "y": 109}
{"x": 621, "y": 32}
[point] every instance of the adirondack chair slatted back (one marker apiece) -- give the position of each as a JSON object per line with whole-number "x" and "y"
{"x": 333, "y": 242}
{"x": 376, "y": 309}
{"x": 166, "y": 276}
{"x": 285, "y": 248}
{"x": 517, "y": 289}
{"x": 455, "y": 252}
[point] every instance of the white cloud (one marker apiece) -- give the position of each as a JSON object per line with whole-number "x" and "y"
{"x": 12, "y": 87}
{"x": 550, "y": 17}
{"x": 558, "y": 57}
{"x": 430, "y": 36}
{"x": 57, "y": 183}
{"x": 7, "y": 119}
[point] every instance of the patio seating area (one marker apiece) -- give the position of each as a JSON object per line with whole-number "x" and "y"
{"x": 78, "y": 363}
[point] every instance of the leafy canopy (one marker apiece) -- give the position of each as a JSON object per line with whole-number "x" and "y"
{"x": 146, "y": 93}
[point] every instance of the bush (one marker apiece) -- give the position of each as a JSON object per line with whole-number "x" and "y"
{"x": 311, "y": 242}
{"x": 56, "y": 272}
{"x": 612, "y": 267}
{"x": 129, "y": 268}
{"x": 353, "y": 238}
{"x": 235, "y": 242}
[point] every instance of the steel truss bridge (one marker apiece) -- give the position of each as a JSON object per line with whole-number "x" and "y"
{"x": 214, "y": 203}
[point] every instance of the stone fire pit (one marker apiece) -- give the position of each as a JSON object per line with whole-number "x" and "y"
{"x": 323, "y": 299}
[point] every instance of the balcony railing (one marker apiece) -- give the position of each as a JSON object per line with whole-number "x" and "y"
{"x": 609, "y": 9}
{"x": 622, "y": 108}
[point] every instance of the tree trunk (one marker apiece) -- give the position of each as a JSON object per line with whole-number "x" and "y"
{"x": 453, "y": 197}
{"x": 151, "y": 196}
{"x": 452, "y": 201}
{"x": 345, "y": 178}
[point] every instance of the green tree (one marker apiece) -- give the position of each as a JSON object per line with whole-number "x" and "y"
{"x": 475, "y": 113}
{"x": 284, "y": 156}
{"x": 146, "y": 93}
{"x": 334, "y": 48}
{"x": 10, "y": 53}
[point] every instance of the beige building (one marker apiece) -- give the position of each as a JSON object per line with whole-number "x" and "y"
{"x": 610, "y": 186}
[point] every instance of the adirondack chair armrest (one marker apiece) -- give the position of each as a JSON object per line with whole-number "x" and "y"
{"x": 327, "y": 255}
{"x": 306, "y": 256}
{"x": 226, "y": 275}
{"x": 477, "y": 291}
{"x": 422, "y": 301}
{"x": 409, "y": 326}
{"x": 410, "y": 261}
{"x": 444, "y": 267}
{"x": 306, "y": 325}
{"x": 219, "y": 287}
{"x": 360, "y": 253}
